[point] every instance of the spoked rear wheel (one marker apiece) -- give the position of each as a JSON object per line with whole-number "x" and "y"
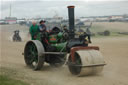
{"x": 75, "y": 67}
{"x": 33, "y": 54}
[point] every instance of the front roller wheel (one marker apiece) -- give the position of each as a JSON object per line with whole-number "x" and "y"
{"x": 33, "y": 54}
{"x": 76, "y": 66}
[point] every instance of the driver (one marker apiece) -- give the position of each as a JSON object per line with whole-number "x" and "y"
{"x": 42, "y": 26}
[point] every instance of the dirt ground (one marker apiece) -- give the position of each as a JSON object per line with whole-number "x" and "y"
{"x": 114, "y": 50}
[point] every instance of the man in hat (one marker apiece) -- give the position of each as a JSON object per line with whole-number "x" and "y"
{"x": 42, "y": 26}
{"x": 65, "y": 29}
{"x": 34, "y": 30}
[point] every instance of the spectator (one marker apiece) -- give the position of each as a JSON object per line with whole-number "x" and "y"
{"x": 34, "y": 30}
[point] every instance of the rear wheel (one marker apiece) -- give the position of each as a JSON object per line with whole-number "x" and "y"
{"x": 75, "y": 67}
{"x": 33, "y": 54}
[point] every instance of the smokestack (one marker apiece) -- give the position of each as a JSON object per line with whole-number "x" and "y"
{"x": 71, "y": 20}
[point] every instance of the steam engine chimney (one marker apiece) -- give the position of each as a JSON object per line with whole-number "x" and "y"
{"x": 71, "y": 20}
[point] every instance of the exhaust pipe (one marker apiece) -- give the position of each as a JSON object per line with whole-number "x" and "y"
{"x": 71, "y": 21}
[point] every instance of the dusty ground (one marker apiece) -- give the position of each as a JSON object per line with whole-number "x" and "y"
{"x": 114, "y": 49}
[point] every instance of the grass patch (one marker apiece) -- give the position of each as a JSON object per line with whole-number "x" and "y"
{"x": 5, "y": 80}
{"x": 10, "y": 76}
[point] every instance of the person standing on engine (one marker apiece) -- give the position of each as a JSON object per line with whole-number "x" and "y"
{"x": 42, "y": 26}
{"x": 34, "y": 30}
{"x": 65, "y": 29}
{"x": 88, "y": 36}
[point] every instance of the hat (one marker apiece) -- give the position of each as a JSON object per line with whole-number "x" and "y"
{"x": 42, "y": 21}
{"x": 64, "y": 26}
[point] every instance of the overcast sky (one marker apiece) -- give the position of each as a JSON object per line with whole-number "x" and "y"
{"x": 48, "y": 8}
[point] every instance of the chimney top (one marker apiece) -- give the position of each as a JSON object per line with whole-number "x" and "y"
{"x": 71, "y": 6}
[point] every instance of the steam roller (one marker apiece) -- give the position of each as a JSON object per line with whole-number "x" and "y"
{"x": 58, "y": 47}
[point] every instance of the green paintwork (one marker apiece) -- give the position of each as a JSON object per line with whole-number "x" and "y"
{"x": 38, "y": 36}
{"x": 33, "y": 53}
{"x": 60, "y": 35}
{"x": 53, "y": 38}
{"x": 60, "y": 46}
